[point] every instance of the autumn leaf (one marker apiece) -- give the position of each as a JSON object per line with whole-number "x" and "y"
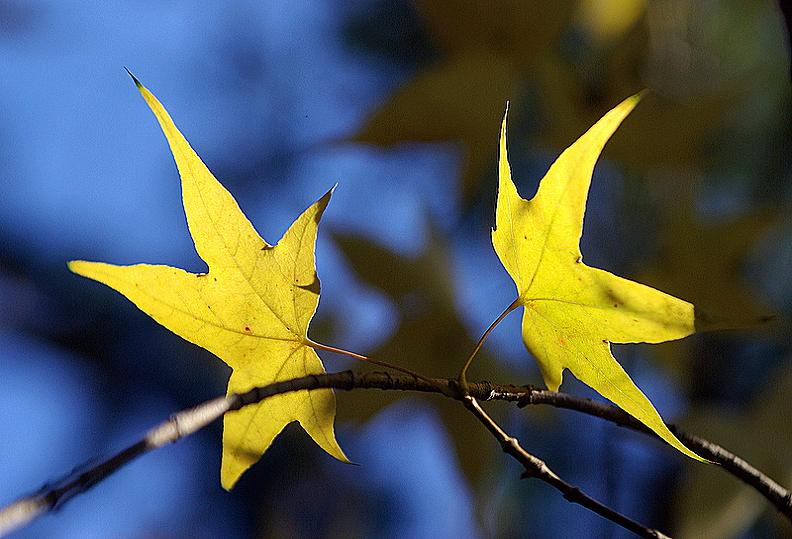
{"x": 252, "y": 309}
{"x": 573, "y": 312}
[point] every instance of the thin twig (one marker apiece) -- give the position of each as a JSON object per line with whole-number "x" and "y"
{"x": 182, "y": 424}
{"x": 776, "y": 494}
{"x": 535, "y": 467}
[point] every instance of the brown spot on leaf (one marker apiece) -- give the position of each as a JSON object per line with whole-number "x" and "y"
{"x": 247, "y": 329}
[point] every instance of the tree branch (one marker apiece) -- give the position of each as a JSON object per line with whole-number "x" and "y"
{"x": 187, "y": 422}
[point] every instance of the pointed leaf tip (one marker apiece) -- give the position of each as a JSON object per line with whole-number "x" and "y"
{"x": 505, "y": 117}
{"x": 634, "y": 99}
{"x": 134, "y": 78}
{"x": 324, "y": 200}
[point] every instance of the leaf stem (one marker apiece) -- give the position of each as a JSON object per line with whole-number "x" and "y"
{"x": 462, "y": 378}
{"x": 385, "y": 364}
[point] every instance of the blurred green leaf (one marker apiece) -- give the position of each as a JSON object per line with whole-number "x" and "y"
{"x": 704, "y": 262}
{"x": 430, "y": 339}
{"x": 604, "y": 21}
{"x": 458, "y": 99}
{"x": 714, "y": 504}
{"x": 512, "y": 28}
{"x": 663, "y": 132}
{"x": 488, "y": 47}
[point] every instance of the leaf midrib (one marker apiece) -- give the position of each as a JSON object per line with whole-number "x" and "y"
{"x": 298, "y": 338}
{"x": 213, "y": 323}
{"x": 552, "y": 220}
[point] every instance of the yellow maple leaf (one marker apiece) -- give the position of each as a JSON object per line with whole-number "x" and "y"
{"x": 252, "y": 309}
{"x": 573, "y": 312}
